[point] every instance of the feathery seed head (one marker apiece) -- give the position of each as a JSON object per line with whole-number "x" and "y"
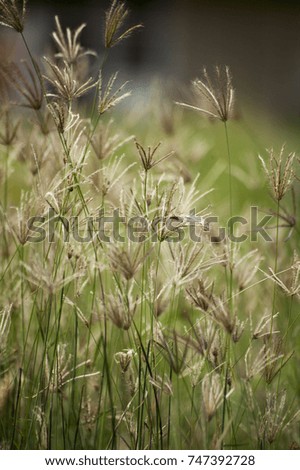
{"x": 265, "y": 360}
{"x": 262, "y": 329}
{"x": 114, "y": 20}
{"x": 216, "y": 94}
{"x": 70, "y": 49}
{"x": 65, "y": 83}
{"x": 147, "y": 156}
{"x": 59, "y": 112}
{"x": 277, "y": 416}
{"x": 127, "y": 261}
{"x": 121, "y": 310}
{"x": 9, "y": 133}
{"x": 63, "y": 117}
{"x": 292, "y": 285}
{"x": 175, "y": 350}
{"x": 105, "y": 142}
{"x": 279, "y": 171}
{"x": 212, "y": 394}
{"x": 107, "y": 98}
{"x": 200, "y": 294}
{"x": 11, "y": 15}
{"x": 163, "y": 384}
{"x": 19, "y": 225}
{"x": 5, "y": 318}
{"x": 246, "y": 267}
{"x": 27, "y": 86}
{"x": 124, "y": 358}
{"x": 63, "y": 373}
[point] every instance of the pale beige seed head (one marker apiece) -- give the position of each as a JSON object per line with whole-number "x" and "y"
{"x": 11, "y": 15}
{"x": 107, "y": 98}
{"x": 263, "y": 361}
{"x": 106, "y": 141}
{"x": 41, "y": 429}
{"x": 63, "y": 372}
{"x": 277, "y": 417}
{"x": 68, "y": 44}
{"x": 120, "y": 309}
{"x": 59, "y": 113}
{"x": 64, "y": 82}
{"x": 215, "y": 93}
{"x": 162, "y": 384}
{"x": 114, "y": 20}
{"x": 212, "y": 394}
{"x": 5, "y": 320}
{"x": 127, "y": 260}
{"x": 10, "y": 126}
{"x": 200, "y": 293}
{"x": 18, "y": 221}
{"x": 291, "y": 285}
{"x": 279, "y": 171}
{"x": 7, "y": 384}
{"x": 124, "y": 358}
{"x": 25, "y": 83}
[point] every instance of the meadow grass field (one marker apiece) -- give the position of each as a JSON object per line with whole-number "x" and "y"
{"x": 149, "y": 270}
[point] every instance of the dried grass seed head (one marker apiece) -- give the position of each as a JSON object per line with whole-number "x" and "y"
{"x": 200, "y": 293}
{"x": 162, "y": 384}
{"x": 12, "y": 15}
{"x": 263, "y": 327}
{"x": 64, "y": 82}
{"x": 246, "y": 267}
{"x": 263, "y": 362}
{"x": 216, "y": 94}
{"x": 121, "y": 309}
{"x": 279, "y": 171}
{"x": 112, "y": 175}
{"x": 107, "y": 98}
{"x": 25, "y": 83}
{"x": 147, "y": 156}
{"x": 70, "y": 49}
{"x": 175, "y": 349}
{"x": 114, "y": 20}
{"x": 127, "y": 261}
{"x": 10, "y": 128}
{"x": 291, "y": 286}
{"x": 45, "y": 277}
{"x": 63, "y": 373}
{"x": 59, "y": 113}
{"x": 209, "y": 341}
{"x": 124, "y": 358}
{"x": 106, "y": 142}
{"x": 19, "y": 225}
{"x": 277, "y": 417}
{"x": 212, "y": 394}
{"x": 5, "y": 320}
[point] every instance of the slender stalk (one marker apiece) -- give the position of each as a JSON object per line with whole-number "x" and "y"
{"x": 5, "y": 186}
{"x": 230, "y": 290}
{"x": 285, "y": 338}
{"x": 275, "y": 270}
{"x": 229, "y": 173}
{"x": 16, "y": 409}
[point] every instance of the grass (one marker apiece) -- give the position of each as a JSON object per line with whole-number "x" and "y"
{"x": 147, "y": 329}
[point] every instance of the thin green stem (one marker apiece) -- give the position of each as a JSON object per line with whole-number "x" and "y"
{"x": 275, "y": 270}
{"x": 230, "y": 289}
{"x": 229, "y": 173}
{"x": 5, "y": 186}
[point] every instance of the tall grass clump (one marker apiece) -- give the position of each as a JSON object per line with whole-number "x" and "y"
{"x": 148, "y": 299}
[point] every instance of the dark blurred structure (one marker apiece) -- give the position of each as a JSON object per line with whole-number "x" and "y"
{"x": 259, "y": 40}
